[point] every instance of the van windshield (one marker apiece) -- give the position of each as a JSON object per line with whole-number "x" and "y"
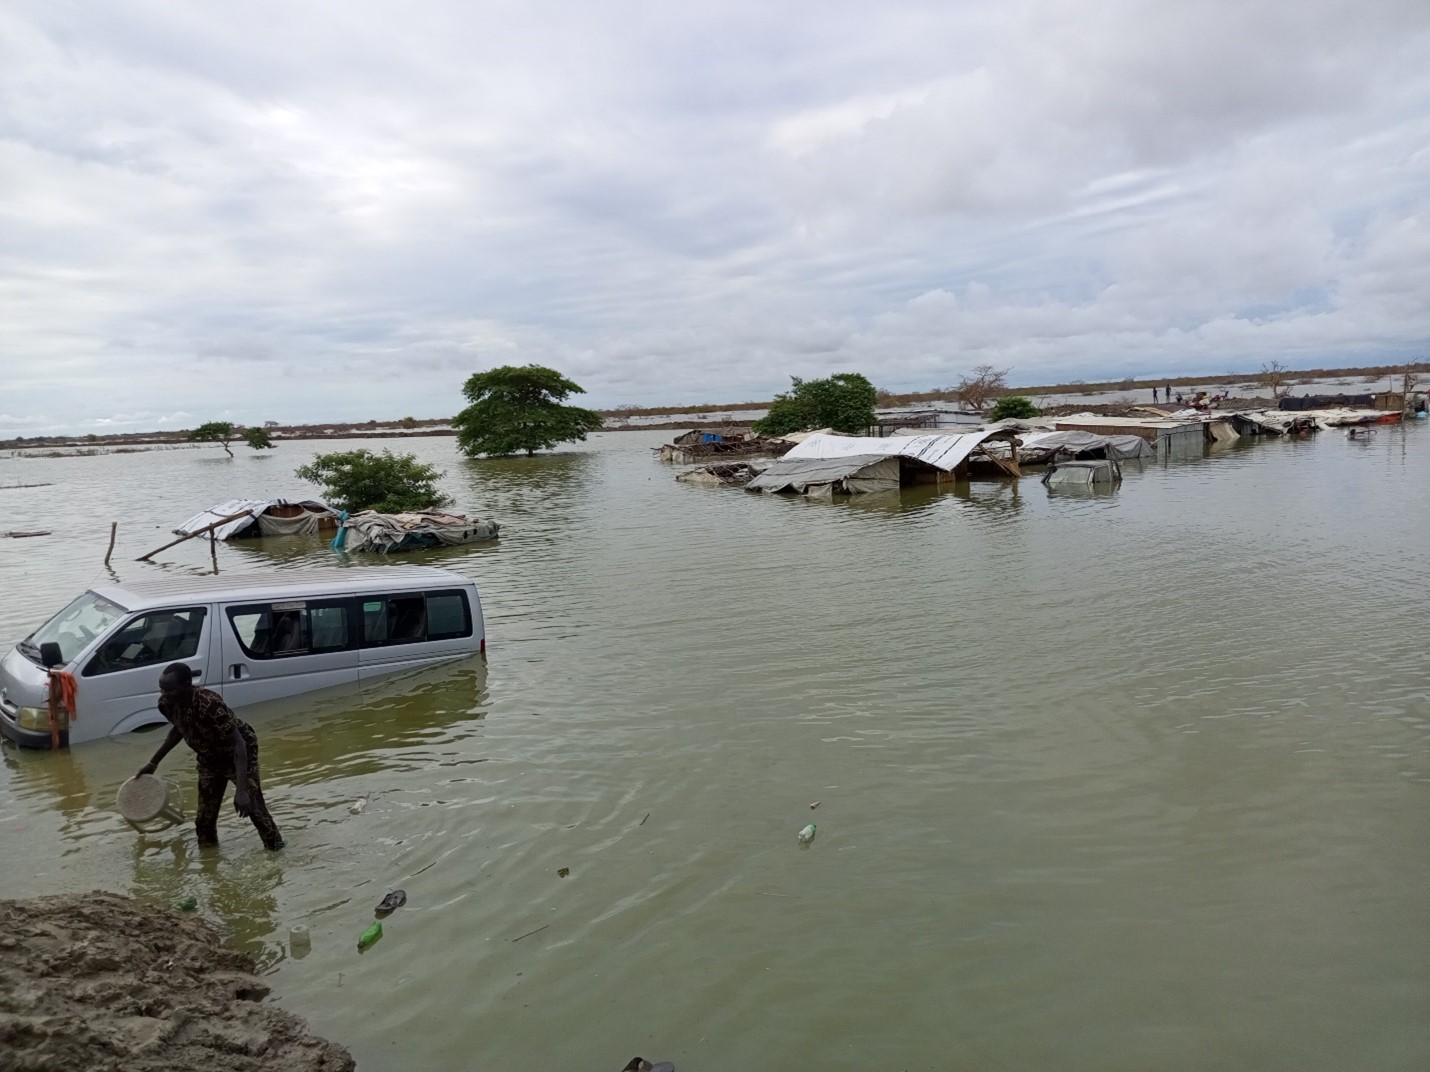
{"x": 73, "y": 628}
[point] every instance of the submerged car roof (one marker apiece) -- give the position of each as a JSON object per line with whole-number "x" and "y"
{"x": 279, "y": 584}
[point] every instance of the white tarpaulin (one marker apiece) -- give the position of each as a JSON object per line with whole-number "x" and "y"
{"x": 303, "y": 520}
{"x": 1121, "y": 446}
{"x": 944, "y": 452}
{"x": 861, "y": 474}
{"x": 371, "y": 531}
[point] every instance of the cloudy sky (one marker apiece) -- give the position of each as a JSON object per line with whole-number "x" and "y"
{"x": 298, "y": 211}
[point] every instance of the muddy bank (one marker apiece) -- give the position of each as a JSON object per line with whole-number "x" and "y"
{"x": 96, "y": 981}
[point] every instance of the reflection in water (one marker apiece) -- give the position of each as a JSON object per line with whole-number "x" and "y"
{"x": 57, "y": 777}
{"x": 237, "y": 888}
{"x": 354, "y": 731}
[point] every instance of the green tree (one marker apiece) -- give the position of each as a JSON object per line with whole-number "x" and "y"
{"x": 388, "y": 483}
{"x": 516, "y": 408}
{"x": 220, "y": 432}
{"x": 223, "y": 433}
{"x": 844, "y": 402}
{"x": 1014, "y": 406}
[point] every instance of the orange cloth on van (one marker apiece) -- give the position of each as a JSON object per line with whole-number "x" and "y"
{"x": 69, "y": 691}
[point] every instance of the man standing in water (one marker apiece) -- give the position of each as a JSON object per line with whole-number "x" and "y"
{"x": 226, "y": 748}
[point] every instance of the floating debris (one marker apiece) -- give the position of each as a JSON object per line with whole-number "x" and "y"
{"x": 186, "y": 904}
{"x": 562, "y": 872}
{"x": 391, "y": 903}
{"x": 370, "y": 936}
{"x": 814, "y": 804}
{"x": 806, "y": 835}
{"x": 356, "y": 807}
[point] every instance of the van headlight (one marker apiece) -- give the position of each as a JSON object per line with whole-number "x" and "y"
{"x": 33, "y": 718}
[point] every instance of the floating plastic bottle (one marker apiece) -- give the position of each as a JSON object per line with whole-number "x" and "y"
{"x": 370, "y": 936}
{"x": 299, "y": 940}
{"x": 806, "y": 835}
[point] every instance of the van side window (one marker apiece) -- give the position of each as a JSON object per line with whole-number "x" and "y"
{"x": 278, "y": 630}
{"x": 163, "y": 636}
{"x": 448, "y": 616}
{"x": 408, "y": 619}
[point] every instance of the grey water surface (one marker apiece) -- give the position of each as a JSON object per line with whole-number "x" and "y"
{"x": 1129, "y": 781}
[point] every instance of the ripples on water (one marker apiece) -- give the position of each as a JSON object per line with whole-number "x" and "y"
{"x": 1120, "y": 781}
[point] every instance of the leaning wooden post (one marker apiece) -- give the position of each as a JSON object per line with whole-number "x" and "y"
{"x": 191, "y": 535}
{"x": 113, "y": 528}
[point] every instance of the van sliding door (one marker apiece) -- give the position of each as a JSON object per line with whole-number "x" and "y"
{"x": 287, "y": 647}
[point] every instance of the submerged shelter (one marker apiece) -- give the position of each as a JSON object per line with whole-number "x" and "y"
{"x": 244, "y": 518}
{"x": 1099, "y": 472}
{"x": 826, "y": 465}
{"x": 384, "y": 533}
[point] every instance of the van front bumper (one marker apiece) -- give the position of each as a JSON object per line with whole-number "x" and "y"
{"x": 28, "y": 738}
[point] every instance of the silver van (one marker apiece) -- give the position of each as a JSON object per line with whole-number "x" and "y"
{"x": 250, "y": 638}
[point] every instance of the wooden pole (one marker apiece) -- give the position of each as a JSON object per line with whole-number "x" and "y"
{"x": 54, "y": 704}
{"x": 191, "y": 535}
{"x": 113, "y": 529}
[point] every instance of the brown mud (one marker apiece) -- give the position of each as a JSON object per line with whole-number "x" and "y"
{"x": 98, "y": 982}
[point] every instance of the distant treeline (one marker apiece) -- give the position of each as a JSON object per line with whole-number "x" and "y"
{"x": 411, "y": 426}
{"x": 1369, "y": 374}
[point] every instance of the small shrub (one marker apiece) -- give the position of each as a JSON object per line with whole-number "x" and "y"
{"x": 1014, "y": 406}
{"x": 388, "y": 483}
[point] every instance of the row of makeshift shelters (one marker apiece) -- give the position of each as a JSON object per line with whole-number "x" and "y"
{"x": 825, "y": 465}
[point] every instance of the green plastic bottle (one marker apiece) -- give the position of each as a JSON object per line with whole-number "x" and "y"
{"x": 806, "y": 835}
{"x": 370, "y": 936}
{"x": 186, "y": 904}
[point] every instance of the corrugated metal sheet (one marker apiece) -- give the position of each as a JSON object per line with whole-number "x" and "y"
{"x": 944, "y": 452}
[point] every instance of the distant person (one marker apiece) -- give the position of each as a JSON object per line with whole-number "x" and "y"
{"x": 1154, "y": 394}
{"x": 226, "y": 749}
{"x": 1167, "y": 394}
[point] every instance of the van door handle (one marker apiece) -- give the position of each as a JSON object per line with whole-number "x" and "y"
{"x": 198, "y": 672}
{"x": 236, "y": 671}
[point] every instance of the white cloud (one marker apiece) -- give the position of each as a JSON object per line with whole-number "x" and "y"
{"x": 261, "y": 211}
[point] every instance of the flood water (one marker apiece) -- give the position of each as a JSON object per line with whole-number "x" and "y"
{"x": 1133, "y": 781}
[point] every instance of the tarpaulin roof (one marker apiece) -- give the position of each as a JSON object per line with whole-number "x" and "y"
{"x": 249, "y": 508}
{"x": 800, "y": 474}
{"x": 944, "y": 452}
{"x": 1123, "y": 446}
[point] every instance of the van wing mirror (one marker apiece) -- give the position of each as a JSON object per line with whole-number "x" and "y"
{"x": 50, "y": 655}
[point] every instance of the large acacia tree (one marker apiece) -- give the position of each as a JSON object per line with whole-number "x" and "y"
{"x": 519, "y": 408}
{"x": 844, "y": 402}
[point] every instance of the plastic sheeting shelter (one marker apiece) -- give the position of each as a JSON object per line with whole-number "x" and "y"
{"x": 1073, "y": 443}
{"x": 263, "y": 517}
{"x": 384, "y": 533}
{"x": 824, "y": 477}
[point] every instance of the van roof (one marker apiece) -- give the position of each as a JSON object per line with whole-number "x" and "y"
{"x": 278, "y": 584}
